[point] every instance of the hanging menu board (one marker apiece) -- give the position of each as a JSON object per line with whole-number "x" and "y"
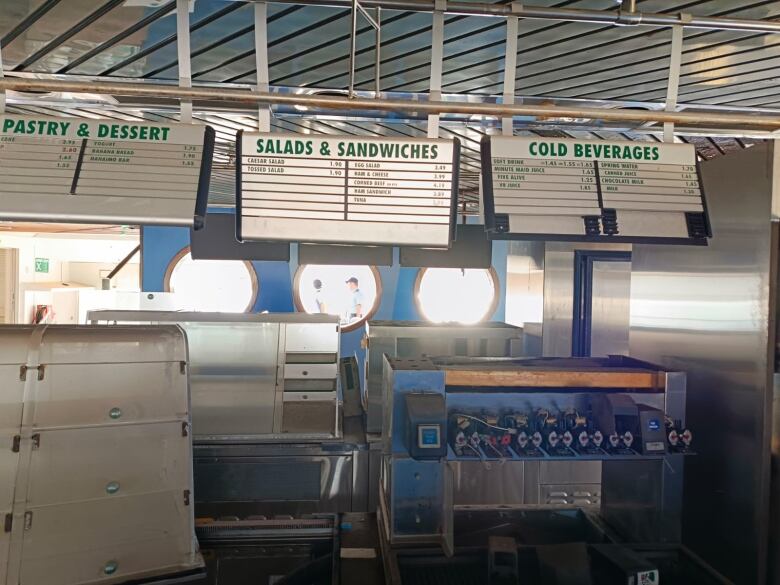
{"x": 104, "y": 171}
{"x": 349, "y": 190}
{"x": 593, "y": 190}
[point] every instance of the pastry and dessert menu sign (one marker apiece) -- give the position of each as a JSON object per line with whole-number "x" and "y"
{"x": 591, "y": 189}
{"x": 349, "y": 190}
{"x": 103, "y": 170}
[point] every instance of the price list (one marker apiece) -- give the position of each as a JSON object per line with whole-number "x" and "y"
{"x": 545, "y": 187}
{"x": 46, "y": 165}
{"x": 346, "y": 190}
{"x": 93, "y": 170}
{"x": 125, "y": 169}
{"x": 649, "y": 187}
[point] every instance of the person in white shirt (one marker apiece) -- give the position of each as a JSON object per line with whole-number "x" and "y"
{"x": 318, "y": 296}
{"x": 355, "y": 312}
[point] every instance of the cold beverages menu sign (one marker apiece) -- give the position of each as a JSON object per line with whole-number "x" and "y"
{"x": 103, "y": 171}
{"x": 574, "y": 189}
{"x": 346, "y": 189}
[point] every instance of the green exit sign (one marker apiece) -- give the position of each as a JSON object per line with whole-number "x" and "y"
{"x": 42, "y": 265}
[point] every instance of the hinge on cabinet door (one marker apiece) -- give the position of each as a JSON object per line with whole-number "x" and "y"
{"x": 23, "y": 372}
{"x": 28, "y": 519}
{"x": 185, "y": 431}
{"x": 17, "y": 442}
{"x": 36, "y": 441}
{"x": 183, "y": 367}
{"x": 186, "y": 497}
{"x": 9, "y": 522}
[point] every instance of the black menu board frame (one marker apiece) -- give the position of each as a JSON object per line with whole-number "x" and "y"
{"x": 601, "y": 222}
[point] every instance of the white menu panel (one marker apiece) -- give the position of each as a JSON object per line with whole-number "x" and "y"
{"x": 103, "y": 171}
{"x": 593, "y": 189}
{"x": 350, "y": 190}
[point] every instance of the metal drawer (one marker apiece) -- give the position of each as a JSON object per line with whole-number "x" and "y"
{"x": 310, "y": 371}
{"x": 315, "y": 414}
{"x": 303, "y": 386}
{"x": 74, "y": 543}
{"x": 108, "y": 462}
{"x": 97, "y": 394}
{"x": 311, "y": 337}
{"x": 570, "y": 494}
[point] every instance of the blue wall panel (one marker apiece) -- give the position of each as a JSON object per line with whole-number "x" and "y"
{"x": 161, "y": 244}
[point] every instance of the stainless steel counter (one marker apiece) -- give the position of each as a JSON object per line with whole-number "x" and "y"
{"x": 256, "y": 376}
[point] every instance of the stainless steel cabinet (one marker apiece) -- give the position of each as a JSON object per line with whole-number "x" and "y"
{"x": 97, "y": 473}
{"x": 256, "y": 377}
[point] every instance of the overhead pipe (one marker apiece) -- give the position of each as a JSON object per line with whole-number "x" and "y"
{"x": 242, "y": 96}
{"x": 615, "y": 17}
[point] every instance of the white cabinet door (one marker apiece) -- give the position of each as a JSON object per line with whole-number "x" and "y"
{"x": 107, "y": 394}
{"x": 76, "y": 465}
{"x": 108, "y": 540}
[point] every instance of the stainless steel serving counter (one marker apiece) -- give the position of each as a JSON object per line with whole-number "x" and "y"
{"x": 256, "y": 376}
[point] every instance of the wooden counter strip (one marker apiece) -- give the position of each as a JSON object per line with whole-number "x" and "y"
{"x": 553, "y": 378}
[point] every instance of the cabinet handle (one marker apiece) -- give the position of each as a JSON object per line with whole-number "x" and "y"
{"x": 110, "y": 567}
{"x": 115, "y": 413}
{"x": 112, "y": 487}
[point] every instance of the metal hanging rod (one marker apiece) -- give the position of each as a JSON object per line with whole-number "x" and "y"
{"x": 626, "y": 17}
{"x": 241, "y": 96}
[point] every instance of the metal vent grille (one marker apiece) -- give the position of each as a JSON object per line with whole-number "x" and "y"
{"x": 222, "y": 189}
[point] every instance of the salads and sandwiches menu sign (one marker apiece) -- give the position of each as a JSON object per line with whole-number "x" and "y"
{"x": 349, "y": 190}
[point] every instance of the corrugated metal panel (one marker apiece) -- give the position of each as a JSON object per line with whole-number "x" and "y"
{"x": 309, "y": 46}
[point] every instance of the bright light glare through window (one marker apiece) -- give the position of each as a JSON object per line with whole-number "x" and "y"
{"x": 212, "y": 285}
{"x": 454, "y": 295}
{"x": 327, "y": 289}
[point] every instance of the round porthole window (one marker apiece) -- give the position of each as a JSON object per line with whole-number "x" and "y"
{"x": 453, "y": 295}
{"x": 226, "y": 286}
{"x": 351, "y": 292}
